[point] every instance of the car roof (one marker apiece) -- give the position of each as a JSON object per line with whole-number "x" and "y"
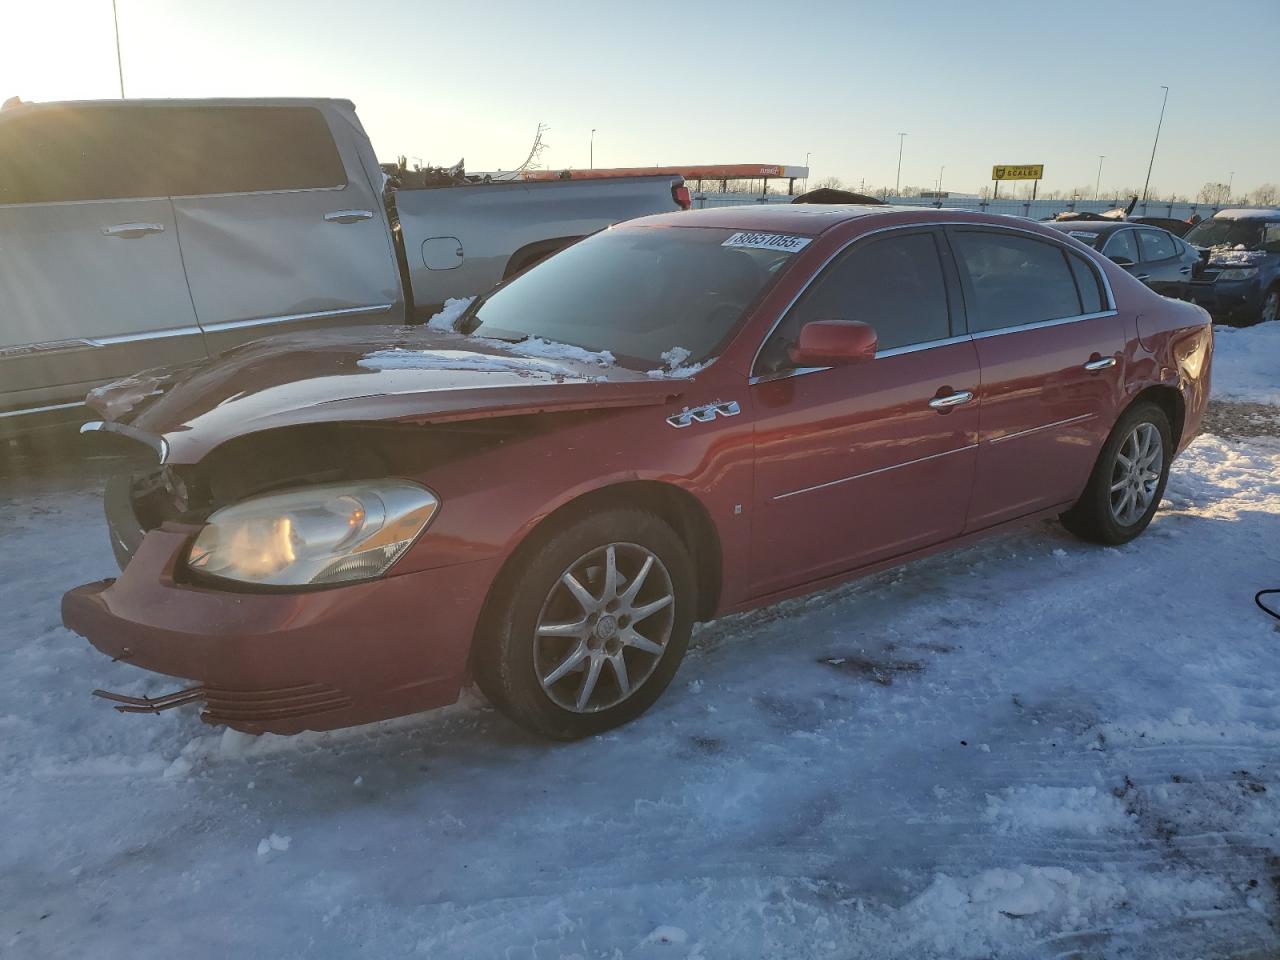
{"x": 1092, "y": 226}
{"x": 27, "y": 106}
{"x": 811, "y": 219}
{"x": 1245, "y": 214}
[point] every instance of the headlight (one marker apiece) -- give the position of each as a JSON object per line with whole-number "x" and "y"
{"x": 334, "y": 533}
{"x": 1240, "y": 273}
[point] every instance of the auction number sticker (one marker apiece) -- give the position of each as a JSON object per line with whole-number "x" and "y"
{"x": 768, "y": 241}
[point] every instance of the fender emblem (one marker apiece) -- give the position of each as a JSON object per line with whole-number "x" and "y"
{"x": 705, "y": 413}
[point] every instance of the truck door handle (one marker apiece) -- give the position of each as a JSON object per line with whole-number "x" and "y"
{"x": 1105, "y": 363}
{"x": 1184, "y": 269}
{"x": 348, "y": 216}
{"x": 1144, "y": 277}
{"x": 951, "y": 400}
{"x": 131, "y": 231}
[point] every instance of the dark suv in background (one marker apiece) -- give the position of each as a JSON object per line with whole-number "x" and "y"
{"x": 1239, "y": 281}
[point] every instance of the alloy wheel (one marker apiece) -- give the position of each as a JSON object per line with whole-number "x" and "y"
{"x": 1135, "y": 474}
{"x": 604, "y": 627}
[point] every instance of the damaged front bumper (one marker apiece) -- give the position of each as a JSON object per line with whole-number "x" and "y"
{"x": 286, "y": 662}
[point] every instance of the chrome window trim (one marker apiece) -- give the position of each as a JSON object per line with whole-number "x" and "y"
{"x": 925, "y": 345}
{"x": 872, "y": 473}
{"x": 1062, "y": 243}
{"x": 1039, "y": 324}
{"x": 1043, "y": 426}
{"x": 48, "y": 408}
{"x": 290, "y": 317}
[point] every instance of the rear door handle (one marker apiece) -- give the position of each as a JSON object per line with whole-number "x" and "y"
{"x": 1184, "y": 269}
{"x": 348, "y": 216}
{"x": 951, "y": 400}
{"x": 131, "y": 231}
{"x": 1105, "y": 363}
{"x": 1144, "y": 277}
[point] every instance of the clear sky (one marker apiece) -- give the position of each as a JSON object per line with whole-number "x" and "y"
{"x": 1047, "y": 82}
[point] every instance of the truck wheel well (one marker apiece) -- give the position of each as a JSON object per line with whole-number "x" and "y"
{"x": 677, "y": 507}
{"x": 532, "y": 253}
{"x": 1170, "y": 401}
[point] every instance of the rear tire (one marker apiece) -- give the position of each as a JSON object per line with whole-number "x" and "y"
{"x": 1128, "y": 480}
{"x": 1270, "y": 305}
{"x": 573, "y": 659}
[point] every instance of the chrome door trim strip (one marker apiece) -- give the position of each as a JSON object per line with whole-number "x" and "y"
{"x": 1046, "y": 426}
{"x": 26, "y": 411}
{"x": 872, "y": 473}
{"x": 1111, "y": 310}
{"x": 290, "y": 317}
{"x": 46, "y": 347}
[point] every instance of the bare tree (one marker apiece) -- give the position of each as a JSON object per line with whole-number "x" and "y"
{"x": 1214, "y": 193}
{"x": 828, "y": 183}
{"x": 1266, "y": 195}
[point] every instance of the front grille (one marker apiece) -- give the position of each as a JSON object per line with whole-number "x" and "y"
{"x": 255, "y": 706}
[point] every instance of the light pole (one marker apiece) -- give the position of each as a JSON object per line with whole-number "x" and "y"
{"x": 940, "y": 172}
{"x": 1156, "y": 143}
{"x": 897, "y": 184}
{"x": 806, "y": 171}
{"x": 1097, "y": 184}
{"x": 592, "y": 148}
{"x": 115, "y": 19}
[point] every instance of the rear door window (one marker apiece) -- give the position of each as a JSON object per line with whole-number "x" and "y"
{"x": 212, "y": 150}
{"x": 1015, "y": 279}
{"x": 1088, "y": 284}
{"x": 58, "y": 154}
{"x": 1156, "y": 245}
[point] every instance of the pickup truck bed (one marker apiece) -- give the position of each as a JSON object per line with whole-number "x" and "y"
{"x": 461, "y": 240}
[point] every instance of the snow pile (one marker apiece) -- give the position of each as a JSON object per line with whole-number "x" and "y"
{"x": 1236, "y": 256}
{"x": 274, "y": 843}
{"x": 399, "y": 358}
{"x": 674, "y": 366}
{"x": 446, "y": 321}
{"x": 551, "y": 350}
{"x": 527, "y": 352}
{"x": 1246, "y": 363}
{"x": 1085, "y": 810}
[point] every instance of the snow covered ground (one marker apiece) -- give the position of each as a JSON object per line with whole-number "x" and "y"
{"x": 1029, "y": 748}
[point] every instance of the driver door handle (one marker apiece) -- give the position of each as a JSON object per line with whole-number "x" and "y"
{"x": 348, "y": 216}
{"x": 951, "y": 400}
{"x": 131, "y": 231}
{"x": 1104, "y": 363}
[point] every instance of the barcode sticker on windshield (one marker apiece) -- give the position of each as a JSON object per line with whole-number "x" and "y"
{"x": 768, "y": 241}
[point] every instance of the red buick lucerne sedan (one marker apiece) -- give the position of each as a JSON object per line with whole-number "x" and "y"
{"x": 673, "y": 419}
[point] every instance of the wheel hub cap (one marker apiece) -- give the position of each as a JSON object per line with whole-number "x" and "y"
{"x": 1135, "y": 475}
{"x": 603, "y": 628}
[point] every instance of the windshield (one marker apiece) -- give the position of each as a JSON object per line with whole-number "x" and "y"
{"x": 638, "y": 292}
{"x": 1226, "y": 233}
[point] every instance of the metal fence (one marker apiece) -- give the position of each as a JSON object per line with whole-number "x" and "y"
{"x": 1032, "y": 209}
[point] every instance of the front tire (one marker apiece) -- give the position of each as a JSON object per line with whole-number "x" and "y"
{"x": 587, "y": 628}
{"x": 1128, "y": 480}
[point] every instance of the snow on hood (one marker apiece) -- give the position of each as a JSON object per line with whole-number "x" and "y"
{"x": 1236, "y": 256}
{"x": 674, "y": 366}
{"x": 446, "y": 321}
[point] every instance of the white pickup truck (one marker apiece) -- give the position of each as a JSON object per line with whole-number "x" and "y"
{"x": 136, "y": 234}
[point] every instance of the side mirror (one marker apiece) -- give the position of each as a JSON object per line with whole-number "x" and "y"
{"x": 1120, "y": 260}
{"x": 834, "y": 343}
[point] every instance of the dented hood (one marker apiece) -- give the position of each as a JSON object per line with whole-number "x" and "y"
{"x": 400, "y": 374}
